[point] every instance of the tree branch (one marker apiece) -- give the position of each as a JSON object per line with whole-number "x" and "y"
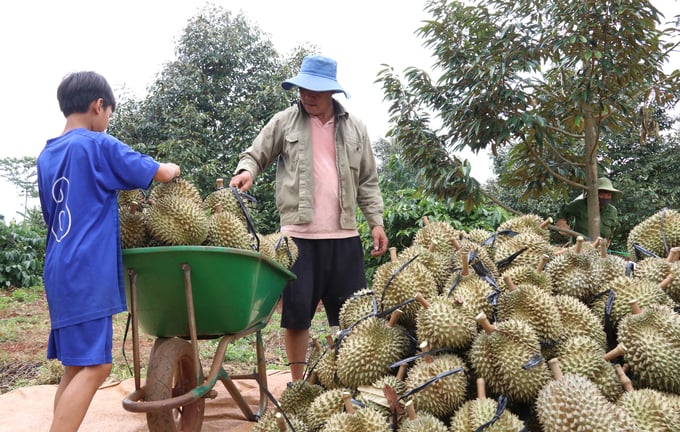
{"x": 547, "y": 168}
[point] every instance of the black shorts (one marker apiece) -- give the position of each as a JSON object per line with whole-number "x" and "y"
{"x": 328, "y": 270}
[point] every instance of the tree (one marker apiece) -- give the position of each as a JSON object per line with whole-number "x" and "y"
{"x": 207, "y": 105}
{"x": 23, "y": 174}
{"x": 547, "y": 78}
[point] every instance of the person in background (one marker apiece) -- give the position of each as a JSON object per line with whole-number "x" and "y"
{"x": 79, "y": 173}
{"x": 575, "y": 214}
{"x": 325, "y": 168}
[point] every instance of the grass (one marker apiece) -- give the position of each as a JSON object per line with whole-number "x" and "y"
{"x": 24, "y": 328}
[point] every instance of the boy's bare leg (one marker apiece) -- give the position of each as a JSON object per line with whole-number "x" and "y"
{"x": 74, "y": 394}
{"x": 297, "y": 341}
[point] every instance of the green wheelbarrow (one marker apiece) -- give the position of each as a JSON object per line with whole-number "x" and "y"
{"x": 182, "y": 294}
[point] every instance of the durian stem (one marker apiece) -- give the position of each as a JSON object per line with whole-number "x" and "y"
{"x": 484, "y": 322}
{"x": 618, "y": 351}
{"x": 554, "y": 365}
{"x": 509, "y": 283}
{"x": 393, "y": 254}
{"x": 674, "y": 254}
{"x": 456, "y": 244}
{"x": 623, "y": 378}
{"x": 667, "y": 281}
{"x": 410, "y": 410}
{"x": 346, "y": 398}
{"x": 280, "y": 422}
{"x": 317, "y": 344}
{"x": 603, "y": 249}
{"x": 635, "y": 307}
{"x": 481, "y": 389}
{"x": 541, "y": 264}
{"x": 401, "y": 373}
{"x": 546, "y": 222}
{"x": 425, "y": 347}
{"x": 220, "y": 183}
{"x": 598, "y": 242}
{"x": 394, "y": 317}
{"x": 578, "y": 247}
{"x": 329, "y": 340}
{"x": 465, "y": 266}
{"x": 421, "y": 299}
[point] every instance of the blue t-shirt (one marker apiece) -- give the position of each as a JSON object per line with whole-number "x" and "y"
{"x": 78, "y": 176}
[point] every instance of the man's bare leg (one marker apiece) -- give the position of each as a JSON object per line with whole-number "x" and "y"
{"x": 297, "y": 342}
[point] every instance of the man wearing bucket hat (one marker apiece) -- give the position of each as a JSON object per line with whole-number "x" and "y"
{"x": 576, "y": 212}
{"x": 325, "y": 168}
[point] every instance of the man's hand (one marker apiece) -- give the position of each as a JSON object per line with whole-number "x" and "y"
{"x": 379, "y": 241}
{"x": 562, "y": 223}
{"x": 242, "y": 181}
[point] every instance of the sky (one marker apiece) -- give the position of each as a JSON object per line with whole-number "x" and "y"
{"x": 129, "y": 41}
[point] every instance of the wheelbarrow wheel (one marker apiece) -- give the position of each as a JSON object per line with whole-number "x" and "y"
{"x": 172, "y": 372}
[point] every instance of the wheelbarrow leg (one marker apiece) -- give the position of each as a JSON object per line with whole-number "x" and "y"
{"x": 261, "y": 373}
{"x": 135, "y": 329}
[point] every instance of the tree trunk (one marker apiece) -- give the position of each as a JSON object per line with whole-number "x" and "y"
{"x": 590, "y": 159}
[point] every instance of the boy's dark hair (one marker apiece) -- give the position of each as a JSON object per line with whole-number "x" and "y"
{"x": 79, "y": 89}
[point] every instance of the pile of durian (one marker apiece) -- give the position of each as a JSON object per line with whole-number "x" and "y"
{"x": 502, "y": 331}
{"x": 175, "y": 214}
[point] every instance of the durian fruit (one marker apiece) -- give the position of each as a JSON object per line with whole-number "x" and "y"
{"x": 656, "y": 233}
{"x": 573, "y": 403}
{"x": 524, "y": 274}
{"x": 326, "y": 368}
{"x": 227, "y": 230}
{"x": 297, "y": 397}
{"x": 482, "y": 411}
{"x": 436, "y": 236}
{"x": 324, "y": 406}
{"x": 225, "y": 198}
{"x": 368, "y": 349}
{"x": 531, "y": 223}
{"x": 651, "y": 336}
{"x": 626, "y": 289}
{"x": 420, "y": 422}
{"x": 127, "y": 197}
{"x": 508, "y": 356}
{"x": 280, "y": 247}
{"x": 581, "y": 355}
{"x": 354, "y": 420}
{"x": 374, "y": 396}
{"x": 446, "y": 394}
{"x": 472, "y": 253}
{"x": 534, "y": 306}
{"x": 173, "y": 220}
{"x": 475, "y": 293}
{"x": 659, "y": 269}
{"x": 580, "y": 319}
{"x": 360, "y": 305}
{"x": 571, "y": 273}
{"x": 273, "y": 421}
{"x": 479, "y": 236}
{"x": 522, "y": 249}
{"x": 396, "y": 282}
{"x": 607, "y": 267}
{"x": 438, "y": 264}
{"x": 444, "y": 322}
{"x": 652, "y": 410}
{"x": 179, "y": 188}
{"x": 133, "y": 228}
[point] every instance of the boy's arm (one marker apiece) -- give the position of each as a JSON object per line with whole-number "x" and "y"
{"x": 166, "y": 172}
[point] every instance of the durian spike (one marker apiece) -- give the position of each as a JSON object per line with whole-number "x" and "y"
{"x": 635, "y": 307}
{"x": 481, "y": 389}
{"x": 541, "y": 264}
{"x": 484, "y": 322}
{"x": 674, "y": 254}
{"x": 618, "y": 351}
{"x": 509, "y": 283}
{"x": 623, "y": 378}
{"x": 317, "y": 344}
{"x": 410, "y": 410}
{"x": 401, "y": 372}
{"x": 465, "y": 266}
{"x": 554, "y": 364}
{"x": 220, "y": 183}
{"x": 603, "y": 249}
{"x": 329, "y": 340}
{"x": 578, "y": 247}
{"x": 280, "y": 422}
{"x": 425, "y": 347}
{"x": 545, "y": 223}
{"x": 421, "y": 299}
{"x": 394, "y": 317}
{"x": 393, "y": 254}
{"x": 347, "y": 399}
{"x": 667, "y": 281}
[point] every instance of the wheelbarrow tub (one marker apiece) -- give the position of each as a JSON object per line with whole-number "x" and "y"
{"x": 233, "y": 289}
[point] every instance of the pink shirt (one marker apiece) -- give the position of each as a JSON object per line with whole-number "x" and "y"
{"x": 326, "y": 220}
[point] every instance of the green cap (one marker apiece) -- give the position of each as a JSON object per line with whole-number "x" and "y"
{"x": 604, "y": 184}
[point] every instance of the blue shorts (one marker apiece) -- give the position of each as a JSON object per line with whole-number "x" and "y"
{"x": 327, "y": 270}
{"x": 85, "y": 344}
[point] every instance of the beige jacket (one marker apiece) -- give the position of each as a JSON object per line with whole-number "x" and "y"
{"x": 286, "y": 140}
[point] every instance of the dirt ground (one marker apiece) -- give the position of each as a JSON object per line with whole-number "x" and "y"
{"x": 24, "y": 328}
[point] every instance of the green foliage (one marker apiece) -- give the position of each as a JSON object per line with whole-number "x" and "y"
{"x": 22, "y": 251}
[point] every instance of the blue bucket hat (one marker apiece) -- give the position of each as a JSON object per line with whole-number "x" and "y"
{"x": 317, "y": 73}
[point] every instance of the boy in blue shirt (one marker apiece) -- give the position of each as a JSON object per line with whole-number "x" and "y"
{"x": 79, "y": 173}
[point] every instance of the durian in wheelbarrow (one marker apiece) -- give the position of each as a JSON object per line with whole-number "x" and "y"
{"x": 572, "y": 402}
{"x": 174, "y": 220}
{"x": 226, "y": 199}
{"x": 178, "y": 188}
{"x": 656, "y": 234}
{"x": 127, "y": 197}
{"x": 227, "y": 230}
{"x": 651, "y": 337}
{"x": 280, "y": 247}
{"x": 133, "y": 226}
{"x": 483, "y": 413}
